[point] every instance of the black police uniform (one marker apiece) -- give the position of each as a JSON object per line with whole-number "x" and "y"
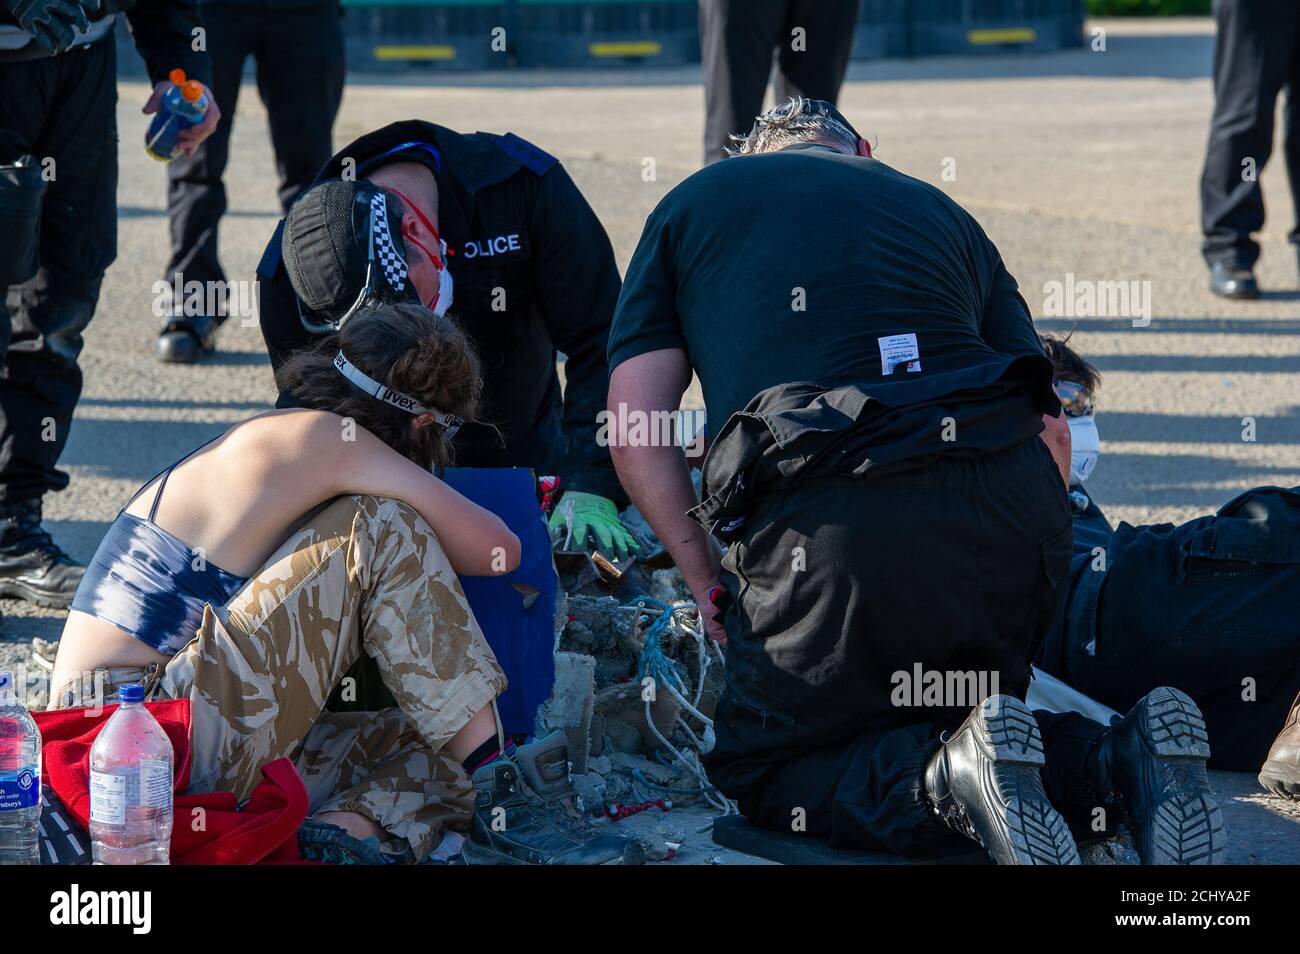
{"x": 298, "y": 48}
{"x": 1256, "y": 54}
{"x": 534, "y": 272}
{"x": 63, "y": 108}
{"x": 1207, "y": 606}
{"x": 737, "y": 39}
{"x": 885, "y": 495}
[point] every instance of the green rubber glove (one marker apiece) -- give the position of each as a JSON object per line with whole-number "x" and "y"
{"x": 577, "y": 512}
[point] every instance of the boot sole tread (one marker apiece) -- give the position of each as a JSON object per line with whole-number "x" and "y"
{"x": 1187, "y": 825}
{"x": 1174, "y": 726}
{"x": 1038, "y": 835}
{"x": 1010, "y": 732}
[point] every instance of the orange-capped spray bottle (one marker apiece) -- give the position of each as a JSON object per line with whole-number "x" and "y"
{"x": 183, "y": 106}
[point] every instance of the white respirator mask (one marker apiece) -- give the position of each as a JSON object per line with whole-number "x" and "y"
{"x": 1085, "y": 447}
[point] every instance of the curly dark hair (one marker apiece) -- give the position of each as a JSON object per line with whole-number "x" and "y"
{"x": 406, "y": 347}
{"x": 1068, "y": 363}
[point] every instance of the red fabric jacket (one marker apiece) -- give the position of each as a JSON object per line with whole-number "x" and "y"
{"x": 264, "y": 832}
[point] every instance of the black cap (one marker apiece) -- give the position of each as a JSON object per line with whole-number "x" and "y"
{"x": 332, "y": 234}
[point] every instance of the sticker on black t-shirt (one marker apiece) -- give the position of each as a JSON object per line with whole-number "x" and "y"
{"x": 899, "y": 349}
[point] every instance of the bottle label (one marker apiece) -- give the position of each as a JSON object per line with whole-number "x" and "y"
{"x": 21, "y": 789}
{"x": 148, "y": 785}
{"x": 155, "y": 783}
{"x": 107, "y": 798}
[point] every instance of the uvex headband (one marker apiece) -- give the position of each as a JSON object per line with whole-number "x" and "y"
{"x": 397, "y": 399}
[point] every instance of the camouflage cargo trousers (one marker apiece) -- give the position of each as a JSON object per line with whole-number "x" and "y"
{"x": 363, "y": 574}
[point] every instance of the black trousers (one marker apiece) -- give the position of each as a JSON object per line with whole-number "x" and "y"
{"x": 1207, "y": 606}
{"x": 841, "y": 589}
{"x": 1256, "y": 54}
{"x": 300, "y": 71}
{"x": 737, "y": 40}
{"x": 63, "y": 111}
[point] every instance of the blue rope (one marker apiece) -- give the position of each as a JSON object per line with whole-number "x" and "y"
{"x": 653, "y": 662}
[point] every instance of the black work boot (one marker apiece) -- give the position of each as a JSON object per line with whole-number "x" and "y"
{"x": 984, "y": 783}
{"x": 32, "y": 566}
{"x": 1280, "y": 773}
{"x": 1154, "y": 760}
{"x": 185, "y": 339}
{"x": 524, "y": 814}
{"x": 1228, "y": 281}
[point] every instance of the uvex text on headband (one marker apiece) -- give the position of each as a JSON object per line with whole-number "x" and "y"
{"x": 450, "y": 422}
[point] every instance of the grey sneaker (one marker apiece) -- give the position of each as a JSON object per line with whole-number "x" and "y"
{"x": 524, "y": 814}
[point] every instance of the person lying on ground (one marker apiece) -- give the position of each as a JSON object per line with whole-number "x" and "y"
{"x": 249, "y": 576}
{"x": 887, "y": 467}
{"x": 1208, "y": 606}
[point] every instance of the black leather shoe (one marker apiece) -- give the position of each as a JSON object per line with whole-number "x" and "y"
{"x": 32, "y": 566}
{"x": 1154, "y": 759}
{"x": 187, "y": 338}
{"x": 524, "y": 814}
{"x": 984, "y": 783}
{"x": 1227, "y": 281}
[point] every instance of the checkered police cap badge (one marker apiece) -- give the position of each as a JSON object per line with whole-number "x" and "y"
{"x": 342, "y": 242}
{"x": 387, "y": 255}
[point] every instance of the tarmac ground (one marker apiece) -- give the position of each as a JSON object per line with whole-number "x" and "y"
{"x": 1081, "y": 165}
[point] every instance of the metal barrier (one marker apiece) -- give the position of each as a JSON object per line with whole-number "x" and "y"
{"x": 881, "y": 32}
{"x": 499, "y": 34}
{"x": 562, "y": 33}
{"x": 446, "y": 34}
{"x": 979, "y": 26}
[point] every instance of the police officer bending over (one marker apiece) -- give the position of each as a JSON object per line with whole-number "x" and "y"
{"x": 58, "y": 235}
{"x": 497, "y": 224}
{"x": 894, "y": 512}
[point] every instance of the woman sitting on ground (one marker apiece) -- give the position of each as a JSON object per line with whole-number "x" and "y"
{"x": 250, "y": 576}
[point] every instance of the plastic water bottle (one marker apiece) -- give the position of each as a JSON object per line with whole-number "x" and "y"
{"x": 131, "y": 786}
{"x": 20, "y": 779}
{"x": 182, "y": 106}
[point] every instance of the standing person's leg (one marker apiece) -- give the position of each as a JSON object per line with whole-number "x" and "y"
{"x": 300, "y": 72}
{"x": 737, "y": 39}
{"x": 42, "y": 381}
{"x": 1291, "y": 132}
{"x": 23, "y": 174}
{"x": 815, "y": 67}
{"x": 196, "y": 192}
{"x": 1252, "y": 60}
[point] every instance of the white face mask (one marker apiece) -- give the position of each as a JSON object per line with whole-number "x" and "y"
{"x": 1085, "y": 447}
{"x": 445, "y": 287}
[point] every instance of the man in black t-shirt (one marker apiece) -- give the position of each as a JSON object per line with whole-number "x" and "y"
{"x": 887, "y": 462}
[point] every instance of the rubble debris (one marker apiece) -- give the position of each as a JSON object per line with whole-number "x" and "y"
{"x": 662, "y": 842}
{"x": 571, "y": 705}
{"x": 636, "y": 685}
{"x": 1109, "y": 851}
{"x": 653, "y": 716}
